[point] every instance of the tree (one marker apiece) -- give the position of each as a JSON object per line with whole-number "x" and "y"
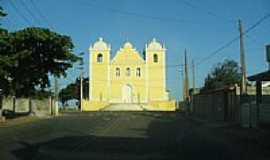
{"x": 68, "y": 93}
{"x": 5, "y": 61}
{"x": 2, "y": 13}
{"x": 72, "y": 91}
{"x": 223, "y": 74}
{"x": 34, "y": 54}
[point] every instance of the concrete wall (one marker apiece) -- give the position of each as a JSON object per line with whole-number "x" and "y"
{"x": 7, "y": 103}
{"x": 22, "y": 105}
{"x": 264, "y": 113}
{"x": 40, "y": 107}
{"x": 224, "y": 104}
{"x": 210, "y": 106}
{"x": 221, "y": 105}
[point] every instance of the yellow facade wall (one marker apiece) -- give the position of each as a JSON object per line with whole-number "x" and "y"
{"x": 100, "y": 70}
{"x": 128, "y": 57}
{"x": 156, "y": 75}
{"x": 107, "y": 86}
{"x": 93, "y": 105}
{"x": 163, "y": 105}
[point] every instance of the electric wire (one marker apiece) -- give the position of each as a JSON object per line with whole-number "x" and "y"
{"x": 226, "y": 45}
{"x": 19, "y": 13}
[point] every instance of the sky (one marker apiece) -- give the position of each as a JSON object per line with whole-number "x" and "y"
{"x": 200, "y": 26}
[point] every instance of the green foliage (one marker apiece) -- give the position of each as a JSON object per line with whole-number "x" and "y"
{"x": 72, "y": 91}
{"x": 2, "y": 13}
{"x": 6, "y": 62}
{"x": 30, "y": 55}
{"x": 223, "y": 74}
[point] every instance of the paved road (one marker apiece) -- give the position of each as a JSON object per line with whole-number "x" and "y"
{"x": 127, "y": 135}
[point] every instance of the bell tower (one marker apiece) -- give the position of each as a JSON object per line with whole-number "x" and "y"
{"x": 155, "y": 56}
{"x": 99, "y": 71}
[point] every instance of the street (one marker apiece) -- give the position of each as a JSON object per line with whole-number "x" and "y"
{"x": 129, "y": 135}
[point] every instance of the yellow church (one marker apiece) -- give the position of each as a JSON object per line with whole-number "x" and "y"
{"x": 128, "y": 78}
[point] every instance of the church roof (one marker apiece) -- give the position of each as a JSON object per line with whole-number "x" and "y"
{"x": 127, "y": 54}
{"x": 127, "y": 50}
{"x": 128, "y": 45}
{"x": 100, "y": 45}
{"x": 155, "y": 45}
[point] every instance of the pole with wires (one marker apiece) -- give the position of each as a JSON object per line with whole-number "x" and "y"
{"x": 183, "y": 84}
{"x": 193, "y": 77}
{"x": 55, "y": 110}
{"x": 81, "y": 90}
{"x": 242, "y": 61}
{"x": 186, "y": 80}
{"x": 81, "y": 81}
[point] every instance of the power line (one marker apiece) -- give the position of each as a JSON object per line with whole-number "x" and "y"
{"x": 187, "y": 3}
{"x": 10, "y": 23}
{"x": 233, "y": 40}
{"x": 40, "y": 13}
{"x": 137, "y": 65}
{"x": 218, "y": 50}
{"x": 30, "y": 12}
{"x": 19, "y": 12}
{"x": 122, "y": 12}
{"x": 257, "y": 23}
{"x": 13, "y": 19}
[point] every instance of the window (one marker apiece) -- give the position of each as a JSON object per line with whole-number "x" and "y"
{"x": 155, "y": 57}
{"x": 128, "y": 72}
{"x": 138, "y": 72}
{"x": 117, "y": 72}
{"x": 99, "y": 58}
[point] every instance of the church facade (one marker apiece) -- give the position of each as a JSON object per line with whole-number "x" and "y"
{"x": 128, "y": 77}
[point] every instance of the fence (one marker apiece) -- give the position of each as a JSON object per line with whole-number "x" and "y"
{"x": 221, "y": 105}
{"x": 264, "y": 113}
{"x": 224, "y": 104}
{"x": 38, "y": 107}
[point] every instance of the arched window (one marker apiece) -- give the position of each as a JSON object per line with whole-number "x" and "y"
{"x": 155, "y": 58}
{"x": 138, "y": 72}
{"x": 99, "y": 58}
{"x": 117, "y": 72}
{"x": 128, "y": 72}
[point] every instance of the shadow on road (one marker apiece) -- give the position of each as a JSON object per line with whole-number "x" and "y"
{"x": 168, "y": 136}
{"x": 158, "y": 143}
{"x": 92, "y": 147}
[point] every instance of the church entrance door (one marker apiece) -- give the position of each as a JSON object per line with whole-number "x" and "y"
{"x": 127, "y": 93}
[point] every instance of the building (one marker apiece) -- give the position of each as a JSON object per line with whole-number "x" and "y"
{"x": 127, "y": 77}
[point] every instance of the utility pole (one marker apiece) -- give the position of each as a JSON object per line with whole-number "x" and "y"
{"x": 55, "y": 96}
{"x": 186, "y": 78}
{"x": 183, "y": 88}
{"x": 81, "y": 89}
{"x": 243, "y": 88}
{"x": 81, "y": 81}
{"x": 267, "y": 47}
{"x": 183, "y": 84}
{"x": 193, "y": 77}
